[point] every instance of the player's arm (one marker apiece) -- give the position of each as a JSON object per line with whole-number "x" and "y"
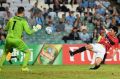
{"x": 30, "y": 31}
{"x": 110, "y": 39}
{"x": 27, "y": 29}
{"x": 106, "y": 31}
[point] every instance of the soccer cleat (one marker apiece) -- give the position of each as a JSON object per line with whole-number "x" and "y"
{"x": 71, "y": 56}
{"x": 26, "y": 69}
{"x": 94, "y": 68}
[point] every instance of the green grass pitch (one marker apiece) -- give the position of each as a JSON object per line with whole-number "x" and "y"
{"x": 61, "y": 72}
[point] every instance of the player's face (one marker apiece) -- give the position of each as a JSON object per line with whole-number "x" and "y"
{"x": 112, "y": 32}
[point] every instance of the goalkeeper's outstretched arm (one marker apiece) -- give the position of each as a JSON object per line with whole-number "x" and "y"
{"x": 28, "y": 30}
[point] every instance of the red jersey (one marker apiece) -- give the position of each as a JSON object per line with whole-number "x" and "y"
{"x": 109, "y": 41}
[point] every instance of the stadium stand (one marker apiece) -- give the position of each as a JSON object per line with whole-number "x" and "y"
{"x": 89, "y": 16}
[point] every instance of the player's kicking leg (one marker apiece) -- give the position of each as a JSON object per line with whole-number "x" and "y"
{"x": 81, "y": 49}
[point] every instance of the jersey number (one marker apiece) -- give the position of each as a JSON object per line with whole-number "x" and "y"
{"x": 13, "y": 25}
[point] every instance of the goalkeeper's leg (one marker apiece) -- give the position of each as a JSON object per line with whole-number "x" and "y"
{"x": 26, "y": 60}
{"x": 24, "y": 48}
{"x": 2, "y": 59}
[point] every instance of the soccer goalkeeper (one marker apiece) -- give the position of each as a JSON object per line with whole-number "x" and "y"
{"x": 15, "y": 26}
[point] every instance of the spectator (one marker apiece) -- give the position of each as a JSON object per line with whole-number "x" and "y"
{"x": 77, "y": 21}
{"x": 84, "y": 36}
{"x": 97, "y": 2}
{"x": 35, "y": 10}
{"x": 50, "y": 28}
{"x": 118, "y": 20}
{"x": 113, "y": 22}
{"x": 63, "y": 18}
{"x": 110, "y": 10}
{"x": 2, "y": 39}
{"x": 49, "y": 20}
{"x": 74, "y": 35}
{"x": 31, "y": 21}
{"x": 70, "y": 18}
{"x": 68, "y": 27}
{"x": 64, "y": 8}
{"x": 52, "y": 14}
{"x": 8, "y": 14}
{"x": 40, "y": 19}
{"x": 2, "y": 22}
{"x": 45, "y": 12}
{"x": 107, "y": 21}
{"x": 60, "y": 27}
{"x": 83, "y": 26}
{"x": 91, "y": 3}
{"x": 106, "y": 3}
{"x": 56, "y": 7}
{"x": 85, "y": 3}
{"x": 80, "y": 9}
{"x": 100, "y": 10}
{"x": 95, "y": 36}
{"x": 2, "y": 36}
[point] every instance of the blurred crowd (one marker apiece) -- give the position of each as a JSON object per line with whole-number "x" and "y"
{"x": 63, "y": 16}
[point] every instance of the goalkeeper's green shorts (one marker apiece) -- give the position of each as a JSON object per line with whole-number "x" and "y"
{"x": 15, "y": 43}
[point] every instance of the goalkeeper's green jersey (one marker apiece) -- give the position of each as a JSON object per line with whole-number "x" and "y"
{"x": 16, "y": 25}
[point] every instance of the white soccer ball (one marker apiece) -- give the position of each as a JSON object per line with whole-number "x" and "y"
{"x": 48, "y": 30}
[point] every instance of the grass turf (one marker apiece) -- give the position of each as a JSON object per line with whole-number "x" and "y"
{"x": 61, "y": 72}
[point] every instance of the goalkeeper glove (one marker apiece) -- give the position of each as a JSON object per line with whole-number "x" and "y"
{"x": 37, "y": 27}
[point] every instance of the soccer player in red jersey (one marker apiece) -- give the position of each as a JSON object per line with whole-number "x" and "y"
{"x": 100, "y": 48}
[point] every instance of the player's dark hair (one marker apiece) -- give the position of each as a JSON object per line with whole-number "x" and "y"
{"x": 115, "y": 29}
{"x": 20, "y": 10}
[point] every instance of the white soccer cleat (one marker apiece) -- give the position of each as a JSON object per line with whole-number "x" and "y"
{"x": 72, "y": 58}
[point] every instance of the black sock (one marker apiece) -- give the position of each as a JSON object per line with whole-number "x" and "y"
{"x": 79, "y": 50}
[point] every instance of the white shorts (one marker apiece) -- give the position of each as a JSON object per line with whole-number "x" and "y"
{"x": 99, "y": 49}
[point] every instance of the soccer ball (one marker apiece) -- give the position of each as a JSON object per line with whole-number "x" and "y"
{"x": 48, "y": 30}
